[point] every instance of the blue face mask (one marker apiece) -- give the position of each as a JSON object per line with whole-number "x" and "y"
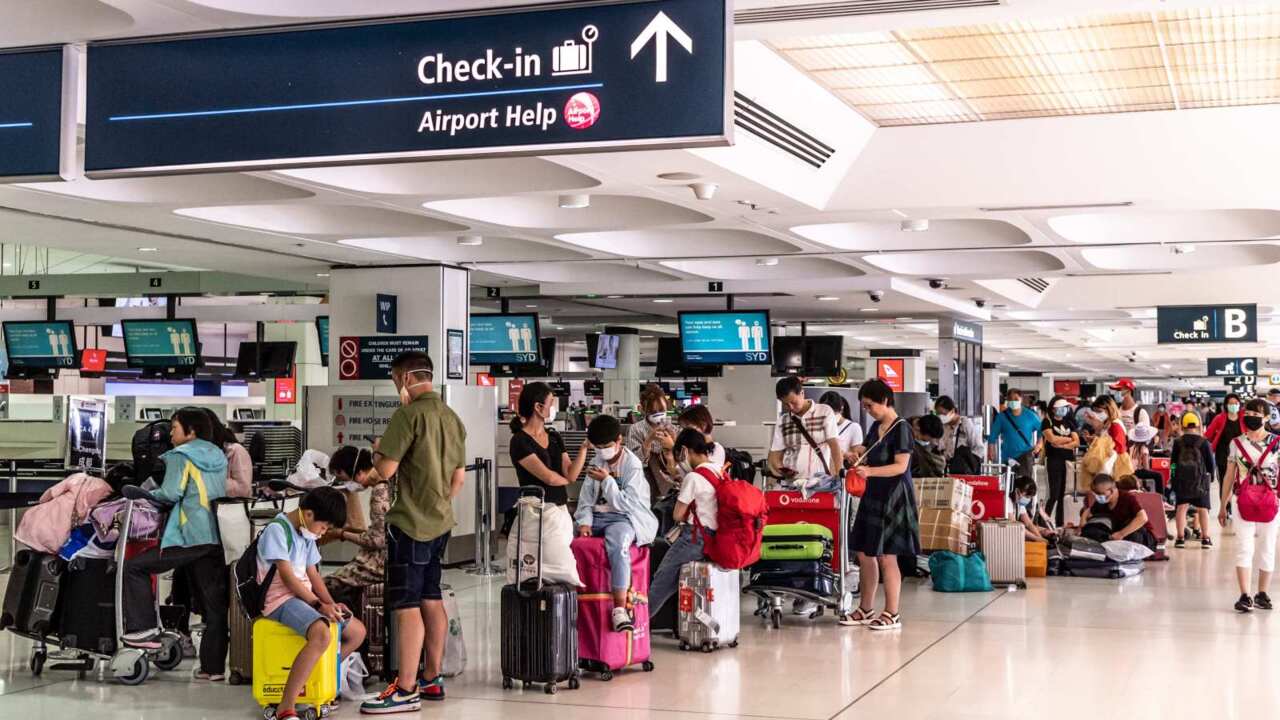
{"x": 1061, "y": 411}
{"x": 922, "y": 443}
{"x": 1024, "y": 502}
{"x": 1014, "y": 404}
{"x": 1100, "y": 498}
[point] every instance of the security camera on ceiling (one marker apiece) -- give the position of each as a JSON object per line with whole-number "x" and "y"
{"x": 980, "y": 302}
{"x": 938, "y": 284}
{"x": 876, "y": 296}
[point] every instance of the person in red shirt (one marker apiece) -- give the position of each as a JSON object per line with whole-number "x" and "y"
{"x": 1225, "y": 427}
{"x": 1128, "y": 520}
{"x": 1106, "y": 407}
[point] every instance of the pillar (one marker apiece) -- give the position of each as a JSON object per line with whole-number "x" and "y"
{"x": 309, "y": 370}
{"x": 990, "y": 384}
{"x": 622, "y": 384}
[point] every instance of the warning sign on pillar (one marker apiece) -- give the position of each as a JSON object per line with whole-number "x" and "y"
{"x": 349, "y": 358}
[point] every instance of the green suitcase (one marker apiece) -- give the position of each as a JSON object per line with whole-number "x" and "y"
{"x": 796, "y": 541}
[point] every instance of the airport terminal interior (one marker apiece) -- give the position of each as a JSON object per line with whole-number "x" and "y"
{"x": 1043, "y": 234}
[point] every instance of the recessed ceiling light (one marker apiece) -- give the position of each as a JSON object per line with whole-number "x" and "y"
{"x": 575, "y": 201}
{"x": 828, "y": 298}
{"x": 559, "y": 327}
{"x": 767, "y": 262}
{"x": 148, "y": 249}
{"x": 682, "y": 176}
{"x": 917, "y": 225}
{"x": 663, "y": 300}
{"x": 868, "y": 309}
{"x": 322, "y": 274}
{"x": 614, "y": 297}
{"x": 470, "y": 240}
{"x": 531, "y": 306}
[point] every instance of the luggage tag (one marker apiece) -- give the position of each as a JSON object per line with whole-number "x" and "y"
{"x": 674, "y": 534}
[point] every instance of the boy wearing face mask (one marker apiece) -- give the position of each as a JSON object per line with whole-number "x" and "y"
{"x": 1129, "y": 520}
{"x": 1039, "y": 528}
{"x": 926, "y": 462}
{"x": 614, "y": 504}
{"x": 297, "y": 596}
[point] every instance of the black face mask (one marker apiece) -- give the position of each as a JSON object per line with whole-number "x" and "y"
{"x": 1252, "y": 422}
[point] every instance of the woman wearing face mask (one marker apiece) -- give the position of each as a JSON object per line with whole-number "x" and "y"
{"x": 959, "y": 433}
{"x": 1039, "y": 527}
{"x": 887, "y": 523}
{"x": 1061, "y": 440}
{"x": 353, "y": 471}
{"x": 1252, "y": 460}
{"x": 848, "y": 432}
{"x": 1110, "y": 423}
{"x": 537, "y": 451}
{"x": 699, "y": 418}
{"x": 697, "y": 495}
{"x": 653, "y": 440}
{"x": 1223, "y": 429}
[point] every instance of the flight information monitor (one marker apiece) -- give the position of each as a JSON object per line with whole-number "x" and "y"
{"x": 322, "y": 330}
{"x": 161, "y": 344}
{"x": 725, "y": 338}
{"x": 504, "y": 340}
{"x": 45, "y": 345}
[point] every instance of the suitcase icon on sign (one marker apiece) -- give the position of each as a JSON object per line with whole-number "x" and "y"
{"x": 572, "y": 58}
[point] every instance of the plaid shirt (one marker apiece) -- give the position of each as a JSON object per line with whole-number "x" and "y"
{"x": 797, "y": 454}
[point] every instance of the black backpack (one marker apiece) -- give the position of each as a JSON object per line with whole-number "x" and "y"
{"x": 244, "y": 574}
{"x": 1189, "y": 473}
{"x": 149, "y": 443}
{"x": 740, "y": 465}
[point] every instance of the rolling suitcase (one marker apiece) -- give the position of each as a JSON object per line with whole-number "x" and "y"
{"x": 1003, "y": 546}
{"x": 375, "y": 639}
{"x": 796, "y": 541}
{"x": 240, "y": 655}
{"x": 31, "y": 596}
{"x": 709, "y": 607}
{"x": 275, "y": 648}
{"x": 1153, "y": 504}
{"x": 600, "y": 649}
{"x": 1104, "y": 569}
{"x": 539, "y": 629}
{"x": 87, "y": 611}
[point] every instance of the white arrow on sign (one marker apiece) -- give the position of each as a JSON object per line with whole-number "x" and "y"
{"x": 659, "y": 30}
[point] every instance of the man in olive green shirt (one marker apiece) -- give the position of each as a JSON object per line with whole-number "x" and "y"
{"x": 424, "y": 448}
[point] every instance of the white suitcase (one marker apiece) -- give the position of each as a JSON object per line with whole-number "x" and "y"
{"x": 1003, "y": 545}
{"x": 709, "y": 606}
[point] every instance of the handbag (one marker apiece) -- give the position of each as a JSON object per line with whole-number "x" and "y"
{"x": 855, "y": 483}
{"x": 963, "y": 460}
{"x": 1254, "y": 495}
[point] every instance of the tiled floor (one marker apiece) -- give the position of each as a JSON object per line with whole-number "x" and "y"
{"x": 1162, "y": 645}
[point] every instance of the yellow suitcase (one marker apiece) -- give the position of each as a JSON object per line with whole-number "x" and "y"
{"x": 274, "y": 648}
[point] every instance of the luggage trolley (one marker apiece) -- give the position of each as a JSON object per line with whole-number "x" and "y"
{"x": 770, "y": 599}
{"x": 129, "y": 666}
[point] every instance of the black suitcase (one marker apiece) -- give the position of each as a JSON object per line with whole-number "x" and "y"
{"x": 87, "y": 611}
{"x": 791, "y": 567}
{"x": 665, "y": 619}
{"x": 539, "y": 628}
{"x": 822, "y": 584}
{"x": 31, "y": 598}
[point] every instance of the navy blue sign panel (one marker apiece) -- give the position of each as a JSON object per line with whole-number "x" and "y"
{"x": 1187, "y": 324}
{"x": 386, "y": 313}
{"x": 31, "y": 114}
{"x": 1223, "y": 367}
{"x": 646, "y": 74}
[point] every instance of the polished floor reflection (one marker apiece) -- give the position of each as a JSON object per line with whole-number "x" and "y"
{"x": 1163, "y": 644}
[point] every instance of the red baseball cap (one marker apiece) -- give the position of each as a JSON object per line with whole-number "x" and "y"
{"x": 1124, "y": 384}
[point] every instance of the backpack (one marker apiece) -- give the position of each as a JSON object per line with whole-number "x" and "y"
{"x": 1255, "y": 496}
{"x": 1189, "y": 476}
{"x": 244, "y": 574}
{"x": 740, "y": 521}
{"x": 739, "y": 465}
{"x": 149, "y": 443}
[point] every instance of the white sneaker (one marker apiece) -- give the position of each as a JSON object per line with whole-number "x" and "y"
{"x": 622, "y": 620}
{"x": 803, "y": 607}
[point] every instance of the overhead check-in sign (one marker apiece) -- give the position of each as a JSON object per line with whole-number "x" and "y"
{"x": 1224, "y": 367}
{"x": 31, "y": 114}
{"x": 588, "y": 77}
{"x": 1189, "y": 324}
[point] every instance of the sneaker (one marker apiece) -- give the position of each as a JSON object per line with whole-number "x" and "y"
{"x": 1262, "y": 601}
{"x": 1179, "y": 543}
{"x": 392, "y": 700}
{"x": 1244, "y": 604}
{"x": 1206, "y": 542}
{"x": 803, "y": 607}
{"x": 143, "y": 639}
{"x": 432, "y": 689}
{"x": 622, "y": 620}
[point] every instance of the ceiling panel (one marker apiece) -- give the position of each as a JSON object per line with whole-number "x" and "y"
{"x": 679, "y": 243}
{"x": 322, "y": 220}
{"x": 606, "y": 212}
{"x": 450, "y": 177}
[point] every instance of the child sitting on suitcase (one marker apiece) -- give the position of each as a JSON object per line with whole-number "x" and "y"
{"x": 614, "y": 503}
{"x": 297, "y": 596}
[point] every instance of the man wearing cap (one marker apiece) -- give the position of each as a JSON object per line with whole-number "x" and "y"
{"x": 1131, "y": 413}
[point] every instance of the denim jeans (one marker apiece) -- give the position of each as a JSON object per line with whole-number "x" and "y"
{"x": 619, "y": 536}
{"x": 667, "y": 580}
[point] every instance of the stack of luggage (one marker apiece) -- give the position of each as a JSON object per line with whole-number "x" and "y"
{"x": 945, "y": 514}
{"x": 796, "y": 556}
{"x": 1084, "y": 557}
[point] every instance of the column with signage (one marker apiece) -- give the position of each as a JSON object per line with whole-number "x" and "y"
{"x": 960, "y": 364}
{"x": 902, "y": 370}
{"x": 622, "y": 383}
{"x": 284, "y": 395}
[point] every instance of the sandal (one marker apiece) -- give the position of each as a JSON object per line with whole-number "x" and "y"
{"x": 857, "y": 617}
{"x": 208, "y": 677}
{"x": 886, "y": 621}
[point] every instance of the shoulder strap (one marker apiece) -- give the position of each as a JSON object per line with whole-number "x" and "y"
{"x": 880, "y": 439}
{"x": 288, "y": 531}
{"x": 710, "y": 476}
{"x": 809, "y": 439}
{"x": 1017, "y": 429}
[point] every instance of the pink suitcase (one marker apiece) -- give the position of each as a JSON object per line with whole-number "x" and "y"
{"x": 600, "y": 649}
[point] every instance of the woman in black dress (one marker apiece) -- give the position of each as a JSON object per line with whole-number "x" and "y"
{"x": 537, "y": 451}
{"x": 887, "y": 523}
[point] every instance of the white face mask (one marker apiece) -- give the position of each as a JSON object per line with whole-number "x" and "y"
{"x": 308, "y": 534}
{"x": 684, "y": 466}
{"x": 352, "y": 486}
{"x": 946, "y": 418}
{"x": 551, "y": 415}
{"x": 405, "y": 397}
{"x": 657, "y": 418}
{"x": 608, "y": 453}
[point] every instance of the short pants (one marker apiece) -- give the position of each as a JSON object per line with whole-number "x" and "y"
{"x": 414, "y": 569}
{"x": 296, "y": 615}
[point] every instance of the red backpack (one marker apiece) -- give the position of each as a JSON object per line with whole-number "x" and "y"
{"x": 740, "y": 521}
